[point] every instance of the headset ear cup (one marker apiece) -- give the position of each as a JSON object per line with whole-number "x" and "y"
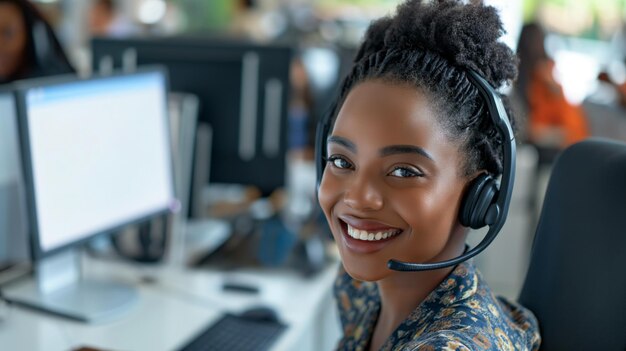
{"x": 484, "y": 203}
{"x": 479, "y": 196}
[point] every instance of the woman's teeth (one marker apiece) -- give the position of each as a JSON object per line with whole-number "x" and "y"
{"x": 370, "y": 236}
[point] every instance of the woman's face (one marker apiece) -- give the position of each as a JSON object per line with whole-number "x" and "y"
{"x": 392, "y": 184}
{"x": 12, "y": 39}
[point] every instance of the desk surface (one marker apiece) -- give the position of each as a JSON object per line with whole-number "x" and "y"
{"x": 175, "y": 304}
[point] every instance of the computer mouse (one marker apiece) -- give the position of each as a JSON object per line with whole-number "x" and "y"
{"x": 261, "y": 314}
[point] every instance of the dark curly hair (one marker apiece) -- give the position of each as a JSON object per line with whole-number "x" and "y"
{"x": 431, "y": 46}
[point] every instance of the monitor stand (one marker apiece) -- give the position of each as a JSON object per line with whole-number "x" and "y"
{"x": 58, "y": 288}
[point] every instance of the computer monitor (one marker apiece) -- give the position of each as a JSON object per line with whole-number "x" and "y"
{"x": 13, "y": 224}
{"x": 243, "y": 90}
{"x": 97, "y": 157}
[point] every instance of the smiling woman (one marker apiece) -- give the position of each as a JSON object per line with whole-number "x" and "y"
{"x": 392, "y": 174}
{"x": 408, "y": 136}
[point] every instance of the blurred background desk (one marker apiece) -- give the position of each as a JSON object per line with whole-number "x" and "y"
{"x": 176, "y": 304}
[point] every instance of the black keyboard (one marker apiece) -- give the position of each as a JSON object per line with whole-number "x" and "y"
{"x": 239, "y": 333}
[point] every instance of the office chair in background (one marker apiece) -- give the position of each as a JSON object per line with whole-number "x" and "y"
{"x": 576, "y": 281}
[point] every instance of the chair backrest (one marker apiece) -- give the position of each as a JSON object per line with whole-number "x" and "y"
{"x": 576, "y": 281}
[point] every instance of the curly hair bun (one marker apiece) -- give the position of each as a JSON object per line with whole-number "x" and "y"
{"x": 464, "y": 34}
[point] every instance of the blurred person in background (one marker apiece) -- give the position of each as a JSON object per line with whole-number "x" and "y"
{"x": 553, "y": 123}
{"x": 105, "y": 19}
{"x": 246, "y": 20}
{"x": 28, "y": 46}
{"x": 255, "y": 22}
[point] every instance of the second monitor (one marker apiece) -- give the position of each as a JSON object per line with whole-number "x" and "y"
{"x": 243, "y": 90}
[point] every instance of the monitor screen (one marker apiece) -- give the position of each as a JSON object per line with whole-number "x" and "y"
{"x": 98, "y": 155}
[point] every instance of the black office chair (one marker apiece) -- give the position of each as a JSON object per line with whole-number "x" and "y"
{"x": 576, "y": 282}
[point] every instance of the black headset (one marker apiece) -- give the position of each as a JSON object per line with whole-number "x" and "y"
{"x": 486, "y": 201}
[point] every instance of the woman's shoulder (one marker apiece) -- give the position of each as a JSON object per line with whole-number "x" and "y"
{"x": 512, "y": 323}
{"x": 478, "y": 329}
{"x": 470, "y": 339}
{"x": 521, "y": 319}
{"x": 478, "y": 320}
{"x": 487, "y": 322}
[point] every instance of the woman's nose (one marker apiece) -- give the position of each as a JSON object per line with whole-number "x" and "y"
{"x": 363, "y": 194}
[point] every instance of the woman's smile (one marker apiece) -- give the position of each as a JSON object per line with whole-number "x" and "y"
{"x": 366, "y": 236}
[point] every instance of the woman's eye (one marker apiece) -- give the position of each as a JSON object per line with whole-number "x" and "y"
{"x": 339, "y": 162}
{"x": 405, "y": 172}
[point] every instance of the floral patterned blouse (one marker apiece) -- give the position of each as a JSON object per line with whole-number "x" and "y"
{"x": 460, "y": 314}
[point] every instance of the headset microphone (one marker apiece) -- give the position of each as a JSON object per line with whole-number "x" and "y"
{"x": 484, "y": 203}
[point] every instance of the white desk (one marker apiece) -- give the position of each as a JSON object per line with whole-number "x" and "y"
{"x": 306, "y": 305}
{"x": 179, "y": 304}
